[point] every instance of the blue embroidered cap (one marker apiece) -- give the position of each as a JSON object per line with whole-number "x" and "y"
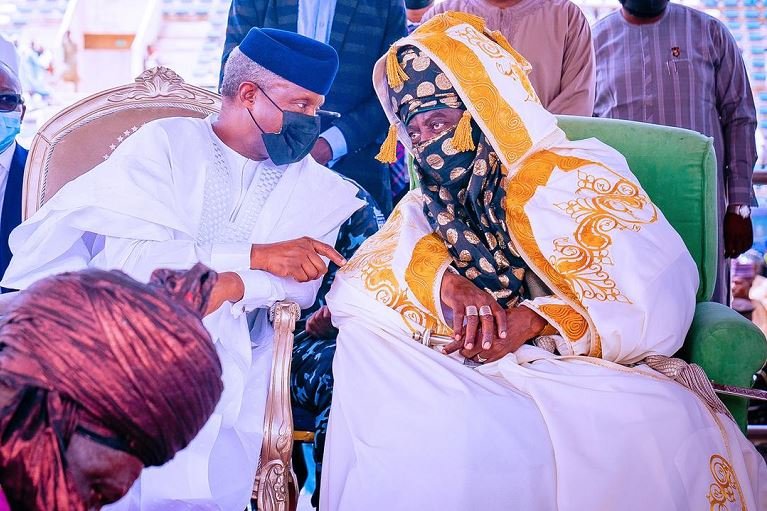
{"x": 308, "y": 63}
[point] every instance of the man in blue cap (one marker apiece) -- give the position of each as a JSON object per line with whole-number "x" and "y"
{"x": 237, "y": 192}
{"x": 360, "y": 32}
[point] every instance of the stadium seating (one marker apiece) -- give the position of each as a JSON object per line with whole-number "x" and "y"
{"x": 746, "y": 21}
{"x": 192, "y": 35}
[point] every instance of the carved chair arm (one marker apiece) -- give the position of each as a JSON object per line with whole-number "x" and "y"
{"x": 275, "y": 488}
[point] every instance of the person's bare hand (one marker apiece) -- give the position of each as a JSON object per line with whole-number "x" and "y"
{"x": 322, "y": 152}
{"x": 457, "y": 294}
{"x": 523, "y": 324}
{"x": 319, "y": 324}
{"x": 738, "y": 234}
{"x": 299, "y": 258}
{"x": 229, "y": 288}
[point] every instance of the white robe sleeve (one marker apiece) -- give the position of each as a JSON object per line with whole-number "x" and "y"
{"x": 139, "y": 258}
{"x": 263, "y": 289}
{"x": 139, "y": 211}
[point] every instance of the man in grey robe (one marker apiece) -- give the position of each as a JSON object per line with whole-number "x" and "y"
{"x": 673, "y": 65}
{"x": 553, "y": 35}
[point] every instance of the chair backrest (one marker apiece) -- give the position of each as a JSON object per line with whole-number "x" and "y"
{"x": 677, "y": 168}
{"x": 85, "y": 134}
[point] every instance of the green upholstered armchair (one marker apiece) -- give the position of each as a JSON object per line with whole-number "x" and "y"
{"x": 677, "y": 168}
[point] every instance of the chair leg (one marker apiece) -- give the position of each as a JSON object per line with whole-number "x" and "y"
{"x": 276, "y": 488}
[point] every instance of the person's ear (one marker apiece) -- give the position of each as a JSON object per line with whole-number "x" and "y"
{"x": 248, "y": 93}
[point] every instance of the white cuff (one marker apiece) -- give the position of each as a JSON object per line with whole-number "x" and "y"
{"x": 230, "y": 257}
{"x": 261, "y": 290}
{"x": 337, "y": 142}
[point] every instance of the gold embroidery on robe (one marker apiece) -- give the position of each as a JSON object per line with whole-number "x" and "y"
{"x": 373, "y": 262}
{"x": 577, "y": 271}
{"x": 429, "y": 255}
{"x": 571, "y": 324}
{"x": 604, "y": 207}
{"x": 725, "y": 488}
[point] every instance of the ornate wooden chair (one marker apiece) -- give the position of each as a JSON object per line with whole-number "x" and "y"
{"x": 85, "y": 134}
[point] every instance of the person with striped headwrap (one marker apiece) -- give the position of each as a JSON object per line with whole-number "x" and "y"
{"x": 100, "y": 376}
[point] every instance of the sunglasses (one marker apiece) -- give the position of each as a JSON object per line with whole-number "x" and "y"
{"x": 10, "y": 102}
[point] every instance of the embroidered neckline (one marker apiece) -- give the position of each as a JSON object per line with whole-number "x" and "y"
{"x": 216, "y": 224}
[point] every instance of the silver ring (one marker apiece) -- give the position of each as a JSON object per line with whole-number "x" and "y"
{"x": 481, "y": 360}
{"x": 471, "y": 310}
{"x": 485, "y": 310}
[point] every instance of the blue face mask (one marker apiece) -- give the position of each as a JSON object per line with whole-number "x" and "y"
{"x": 10, "y": 125}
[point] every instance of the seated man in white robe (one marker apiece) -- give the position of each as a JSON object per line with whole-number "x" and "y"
{"x": 237, "y": 192}
{"x": 557, "y": 392}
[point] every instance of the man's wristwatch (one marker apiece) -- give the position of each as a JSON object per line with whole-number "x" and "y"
{"x": 742, "y": 210}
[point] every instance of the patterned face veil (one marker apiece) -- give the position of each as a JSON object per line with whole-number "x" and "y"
{"x": 462, "y": 181}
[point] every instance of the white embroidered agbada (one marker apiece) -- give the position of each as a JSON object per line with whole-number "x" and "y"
{"x": 170, "y": 195}
{"x": 580, "y": 428}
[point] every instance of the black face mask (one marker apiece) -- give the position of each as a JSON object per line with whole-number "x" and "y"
{"x": 645, "y": 8}
{"x": 296, "y": 138}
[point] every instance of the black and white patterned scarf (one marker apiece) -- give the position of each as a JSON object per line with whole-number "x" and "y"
{"x": 463, "y": 191}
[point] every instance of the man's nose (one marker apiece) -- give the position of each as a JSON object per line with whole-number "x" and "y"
{"x": 427, "y": 134}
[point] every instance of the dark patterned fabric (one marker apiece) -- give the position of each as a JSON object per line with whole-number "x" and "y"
{"x": 311, "y": 384}
{"x": 400, "y": 178}
{"x": 464, "y": 191}
{"x": 96, "y": 350}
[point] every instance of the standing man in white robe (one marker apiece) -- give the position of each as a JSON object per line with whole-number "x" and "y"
{"x": 237, "y": 192}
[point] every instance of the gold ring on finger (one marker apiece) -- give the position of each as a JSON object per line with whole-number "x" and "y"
{"x": 485, "y": 310}
{"x": 471, "y": 310}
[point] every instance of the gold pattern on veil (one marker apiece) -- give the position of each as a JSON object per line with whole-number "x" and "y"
{"x": 506, "y": 63}
{"x": 474, "y": 85}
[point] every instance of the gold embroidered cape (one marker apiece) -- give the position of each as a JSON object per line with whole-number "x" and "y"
{"x": 575, "y": 212}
